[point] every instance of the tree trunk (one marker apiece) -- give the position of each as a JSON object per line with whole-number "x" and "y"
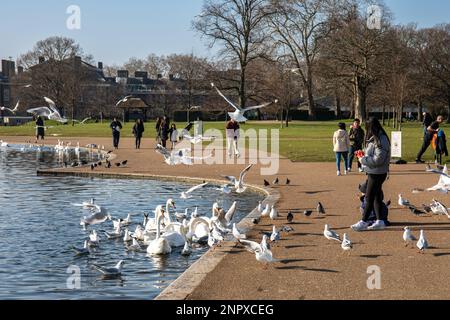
{"x": 448, "y": 106}
{"x": 420, "y": 111}
{"x": 338, "y": 107}
{"x": 311, "y": 105}
{"x": 242, "y": 95}
{"x": 361, "y": 99}
{"x": 287, "y": 118}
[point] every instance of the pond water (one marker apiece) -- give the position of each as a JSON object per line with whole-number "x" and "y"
{"x": 39, "y": 224}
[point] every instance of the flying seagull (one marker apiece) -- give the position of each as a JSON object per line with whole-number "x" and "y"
{"x": 13, "y": 111}
{"x": 238, "y": 115}
{"x": 187, "y": 194}
{"x": 50, "y": 112}
{"x": 239, "y": 184}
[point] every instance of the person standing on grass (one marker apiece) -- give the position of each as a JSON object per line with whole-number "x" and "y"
{"x": 341, "y": 146}
{"x": 138, "y": 132}
{"x": 173, "y": 133}
{"x": 232, "y": 132}
{"x": 431, "y": 131}
{"x": 40, "y": 129}
{"x": 375, "y": 162}
{"x": 116, "y": 127}
{"x": 427, "y": 121}
{"x": 356, "y": 136}
{"x": 165, "y": 128}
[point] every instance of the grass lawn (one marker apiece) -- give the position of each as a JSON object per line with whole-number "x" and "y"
{"x": 302, "y": 141}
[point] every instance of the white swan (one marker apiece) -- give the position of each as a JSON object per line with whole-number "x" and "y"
{"x": 152, "y": 223}
{"x": 159, "y": 246}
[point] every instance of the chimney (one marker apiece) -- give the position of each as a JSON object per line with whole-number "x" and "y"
{"x": 100, "y": 65}
{"x": 41, "y": 60}
{"x": 141, "y": 74}
{"x": 122, "y": 73}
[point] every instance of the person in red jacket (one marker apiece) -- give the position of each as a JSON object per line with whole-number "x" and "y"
{"x": 232, "y": 133}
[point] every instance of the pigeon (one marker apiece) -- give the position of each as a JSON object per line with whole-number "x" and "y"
{"x": 288, "y": 182}
{"x": 427, "y": 208}
{"x": 330, "y": 234}
{"x": 320, "y": 208}
{"x": 266, "y": 183}
{"x": 286, "y": 229}
{"x": 346, "y": 244}
{"x": 256, "y": 221}
{"x": 276, "y": 181}
{"x": 290, "y": 217}
{"x": 124, "y": 163}
{"x": 408, "y": 237}
{"x": 307, "y": 213}
{"x": 403, "y": 202}
{"x": 422, "y": 244}
{"x": 415, "y": 211}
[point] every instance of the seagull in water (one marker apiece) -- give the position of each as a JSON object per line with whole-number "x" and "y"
{"x": 187, "y": 194}
{"x": 238, "y": 115}
{"x": 422, "y": 244}
{"x": 81, "y": 251}
{"x": 408, "y": 237}
{"x": 113, "y": 272}
{"x": 331, "y": 235}
{"x": 100, "y": 215}
{"x": 239, "y": 184}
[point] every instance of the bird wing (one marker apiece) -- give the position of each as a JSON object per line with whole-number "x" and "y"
{"x": 244, "y": 172}
{"x": 51, "y": 104}
{"x": 226, "y": 99}
{"x": 41, "y": 111}
{"x": 438, "y": 172}
{"x": 232, "y": 179}
{"x": 258, "y": 107}
{"x": 84, "y": 121}
{"x": 196, "y": 187}
{"x": 230, "y": 213}
{"x": 160, "y": 149}
{"x": 16, "y": 108}
{"x": 100, "y": 269}
{"x": 251, "y": 246}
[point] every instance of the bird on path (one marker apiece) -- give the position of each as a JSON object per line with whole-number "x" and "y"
{"x": 320, "y": 208}
{"x": 422, "y": 244}
{"x": 403, "y": 202}
{"x": 276, "y": 181}
{"x": 275, "y": 236}
{"x": 415, "y": 211}
{"x": 290, "y": 217}
{"x": 288, "y": 182}
{"x": 408, "y": 237}
{"x": 330, "y": 234}
{"x": 307, "y": 213}
{"x": 273, "y": 213}
{"x": 346, "y": 244}
{"x": 266, "y": 183}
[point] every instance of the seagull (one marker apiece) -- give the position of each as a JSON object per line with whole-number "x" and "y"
{"x": 100, "y": 215}
{"x": 320, "y": 208}
{"x": 238, "y": 115}
{"x": 290, "y": 217}
{"x": 408, "y": 237}
{"x": 422, "y": 244}
{"x": 94, "y": 239}
{"x": 346, "y": 244}
{"x": 438, "y": 208}
{"x": 275, "y": 236}
{"x": 50, "y": 112}
{"x": 225, "y": 189}
{"x": 81, "y": 251}
{"x": 135, "y": 246}
{"x": 239, "y": 184}
{"x": 187, "y": 194}
{"x": 403, "y": 202}
{"x": 84, "y": 121}
{"x": 123, "y": 100}
{"x": 436, "y": 171}
{"x": 127, "y": 237}
{"x": 266, "y": 211}
{"x": 13, "y": 111}
{"x": 197, "y": 139}
{"x": 415, "y": 211}
{"x": 273, "y": 213}
{"x": 115, "y": 271}
{"x": 237, "y": 234}
{"x": 177, "y": 157}
{"x": 330, "y": 234}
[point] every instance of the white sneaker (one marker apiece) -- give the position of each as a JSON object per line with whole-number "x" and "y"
{"x": 378, "y": 225}
{"x": 360, "y": 226}
{"x": 345, "y": 172}
{"x": 338, "y": 173}
{"x": 349, "y": 170}
{"x": 361, "y": 170}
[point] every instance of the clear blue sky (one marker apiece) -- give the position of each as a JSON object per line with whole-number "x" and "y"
{"x": 113, "y": 31}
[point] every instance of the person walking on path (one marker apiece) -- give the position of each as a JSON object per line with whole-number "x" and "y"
{"x": 165, "y": 128}
{"x": 232, "y": 133}
{"x": 138, "y": 132}
{"x": 40, "y": 128}
{"x": 431, "y": 131}
{"x": 375, "y": 162}
{"x": 116, "y": 127}
{"x": 173, "y": 133}
{"x": 341, "y": 146}
{"x": 356, "y": 136}
{"x": 158, "y": 130}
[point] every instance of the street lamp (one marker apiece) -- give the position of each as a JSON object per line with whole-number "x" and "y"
{"x": 191, "y": 108}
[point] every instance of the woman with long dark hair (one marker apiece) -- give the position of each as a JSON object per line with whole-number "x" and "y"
{"x": 375, "y": 162}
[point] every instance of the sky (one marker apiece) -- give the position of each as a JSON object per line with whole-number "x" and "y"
{"x": 113, "y": 31}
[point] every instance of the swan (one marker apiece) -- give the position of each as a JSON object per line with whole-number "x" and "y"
{"x": 186, "y": 250}
{"x": 94, "y": 239}
{"x": 127, "y": 236}
{"x": 199, "y": 228}
{"x": 139, "y": 233}
{"x": 159, "y": 246}
{"x": 152, "y": 223}
{"x": 266, "y": 211}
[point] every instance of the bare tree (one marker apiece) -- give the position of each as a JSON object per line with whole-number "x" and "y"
{"x": 236, "y": 25}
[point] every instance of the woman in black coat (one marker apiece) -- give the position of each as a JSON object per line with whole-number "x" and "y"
{"x": 138, "y": 132}
{"x": 165, "y": 131}
{"x": 40, "y": 129}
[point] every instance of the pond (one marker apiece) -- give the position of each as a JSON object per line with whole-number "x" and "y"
{"x": 39, "y": 224}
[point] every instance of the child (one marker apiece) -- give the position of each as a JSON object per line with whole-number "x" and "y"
{"x": 341, "y": 146}
{"x": 385, "y": 207}
{"x": 173, "y": 133}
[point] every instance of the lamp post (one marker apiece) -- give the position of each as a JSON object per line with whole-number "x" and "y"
{"x": 189, "y": 109}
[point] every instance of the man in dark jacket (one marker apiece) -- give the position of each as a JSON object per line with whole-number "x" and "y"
{"x": 116, "y": 126}
{"x": 138, "y": 132}
{"x": 427, "y": 121}
{"x": 165, "y": 128}
{"x": 40, "y": 129}
{"x": 356, "y": 136}
{"x": 431, "y": 131}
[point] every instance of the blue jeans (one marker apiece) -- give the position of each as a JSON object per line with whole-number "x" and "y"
{"x": 338, "y": 160}
{"x": 353, "y": 149}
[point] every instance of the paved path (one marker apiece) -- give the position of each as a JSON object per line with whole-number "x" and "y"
{"x": 315, "y": 268}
